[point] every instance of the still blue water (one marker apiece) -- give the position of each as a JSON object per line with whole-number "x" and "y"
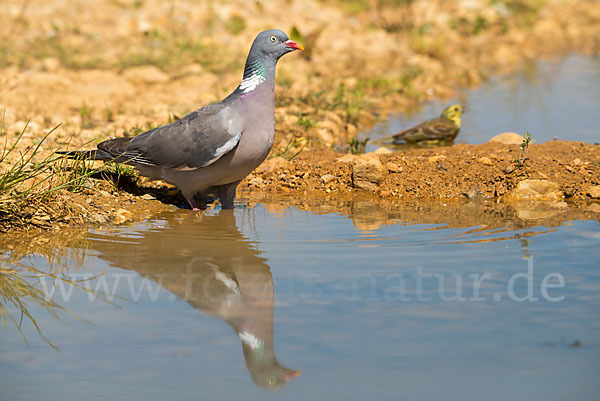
{"x": 548, "y": 99}
{"x": 224, "y": 305}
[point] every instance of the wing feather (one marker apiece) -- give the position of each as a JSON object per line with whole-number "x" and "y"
{"x": 435, "y": 129}
{"x": 196, "y": 140}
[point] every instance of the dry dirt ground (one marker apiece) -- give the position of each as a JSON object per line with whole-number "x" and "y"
{"x": 489, "y": 170}
{"x": 118, "y": 67}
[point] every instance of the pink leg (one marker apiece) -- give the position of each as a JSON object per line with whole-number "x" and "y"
{"x": 193, "y": 203}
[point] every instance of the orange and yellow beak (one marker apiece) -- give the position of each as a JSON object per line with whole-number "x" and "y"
{"x": 293, "y": 45}
{"x": 293, "y": 373}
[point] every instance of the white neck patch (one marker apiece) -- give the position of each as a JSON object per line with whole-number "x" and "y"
{"x": 250, "y": 83}
{"x": 251, "y": 340}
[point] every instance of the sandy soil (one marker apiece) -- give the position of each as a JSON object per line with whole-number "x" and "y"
{"x": 488, "y": 171}
{"x": 118, "y": 67}
{"x": 564, "y": 177}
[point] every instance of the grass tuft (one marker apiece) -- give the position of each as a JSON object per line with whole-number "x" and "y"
{"x": 293, "y": 148}
{"x": 30, "y": 180}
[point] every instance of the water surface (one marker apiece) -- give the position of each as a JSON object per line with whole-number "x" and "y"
{"x": 547, "y": 99}
{"x": 360, "y": 297}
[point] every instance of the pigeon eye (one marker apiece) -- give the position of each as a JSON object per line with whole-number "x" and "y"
{"x": 273, "y": 39}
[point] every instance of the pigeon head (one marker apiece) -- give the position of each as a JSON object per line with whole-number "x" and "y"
{"x": 273, "y": 44}
{"x": 266, "y": 49}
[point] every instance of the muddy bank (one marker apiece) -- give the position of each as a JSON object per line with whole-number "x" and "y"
{"x": 570, "y": 170}
{"x": 369, "y": 213}
{"x": 553, "y": 173}
{"x": 366, "y": 211}
{"x": 102, "y": 203}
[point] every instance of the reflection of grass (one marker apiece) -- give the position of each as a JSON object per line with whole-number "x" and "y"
{"x": 16, "y": 291}
{"x": 25, "y": 290}
{"x": 20, "y": 286}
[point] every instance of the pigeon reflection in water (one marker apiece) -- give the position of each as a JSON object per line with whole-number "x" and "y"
{"x": 220, "y": 274}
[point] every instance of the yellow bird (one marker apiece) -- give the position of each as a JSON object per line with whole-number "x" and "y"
{"x": 441, "y": 129}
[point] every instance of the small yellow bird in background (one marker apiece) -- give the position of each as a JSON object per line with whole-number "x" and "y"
{"x": 442, "y": 129}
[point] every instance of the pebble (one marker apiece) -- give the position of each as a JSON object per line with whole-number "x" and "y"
{"x": 121, "y": 216}
{"x": 537, "y": 190}
{"x": 351, "y": 130}
{"x": 40, "y": 220}
{"x": 325, "y": 135}
{"x": 560, "y": 205}
{"x": 367, "y": 172}
{"x": 472, "y": 193}
{"x": 382, "y": 151}
{"x": 191, "y": 69}
{"x": 327, "y": 178}
{"x": 148, "y": 197}
{"x": 349, "y": 158}
{"x": 98, "y": 218}
{"x": 485, "y": 160}
{"x": 51, "y": 64}
{"x": 508, "y": 138}
{"x": 594, "y": 192}
{"x": 432, "y": 159}
{"x": 276, "y": 163}
{"x": 393, "y": 167}
{"x": 594, "y": 207}
{"x": 256, "y": 181}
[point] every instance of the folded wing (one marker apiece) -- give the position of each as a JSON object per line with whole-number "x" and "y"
{"x": 197, "y": 140}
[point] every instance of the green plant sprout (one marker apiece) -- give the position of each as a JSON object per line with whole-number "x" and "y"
{"x": 290, "y": 152}
{"x": 306, "y": 122}
{"x": 358, "y": 145}
{"x": 527, "y": 140}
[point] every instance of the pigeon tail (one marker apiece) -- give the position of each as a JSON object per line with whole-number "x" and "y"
{"x": 96, "y": 154}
